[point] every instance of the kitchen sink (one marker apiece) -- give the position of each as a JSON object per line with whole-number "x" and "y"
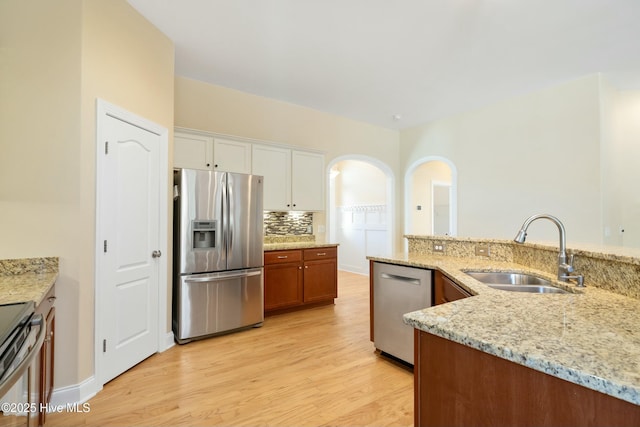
{"x": 516, "y": 282}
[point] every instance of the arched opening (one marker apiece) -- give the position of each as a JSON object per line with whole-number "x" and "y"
{"x": 431, "y": 197}
{"x": 360, "y": 210}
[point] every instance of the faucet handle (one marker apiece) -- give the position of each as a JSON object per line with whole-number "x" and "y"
{"x": 565, "y": 268}
{"x": 571, "y": 260}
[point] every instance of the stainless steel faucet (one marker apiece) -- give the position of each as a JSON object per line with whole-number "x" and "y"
{"x": 564, "y": 267}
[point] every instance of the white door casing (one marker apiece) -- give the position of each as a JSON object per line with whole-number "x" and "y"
{"x": 131, "y": 222}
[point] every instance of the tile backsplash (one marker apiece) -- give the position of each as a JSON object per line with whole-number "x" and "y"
{"x": 288, "y": 223}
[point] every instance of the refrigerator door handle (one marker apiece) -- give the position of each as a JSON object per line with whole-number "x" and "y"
{"x": 224, "y": 209}
{"x": 219, "y": 276}
{"x": 230, "y": 218}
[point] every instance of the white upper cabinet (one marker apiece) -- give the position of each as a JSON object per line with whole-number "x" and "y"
{"x": 231, "y": 156}
{"x": 293, "y": 180}
{"x": 307, "y": 181}
{"x": 274, "y": 164}
{"x": 192, "y": 151}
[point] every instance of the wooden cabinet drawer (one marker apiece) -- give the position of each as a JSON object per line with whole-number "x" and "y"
{"x": 276, "y": 257}
{"x": 320, "y": 253}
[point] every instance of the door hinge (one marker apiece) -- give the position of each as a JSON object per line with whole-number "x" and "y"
{"x": 105, "y": 246}
{"x": 106, "y": 147}
{"x": 104, "y": 346}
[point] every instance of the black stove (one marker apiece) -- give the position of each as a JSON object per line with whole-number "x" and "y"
{"x": 15, "y": 325}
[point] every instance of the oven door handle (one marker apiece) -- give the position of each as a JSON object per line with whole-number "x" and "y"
{"x": 8, "y": 382}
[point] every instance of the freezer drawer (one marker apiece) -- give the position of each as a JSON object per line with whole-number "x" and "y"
{"x": 214, "y": 303}
{"x": 397, "y": 290}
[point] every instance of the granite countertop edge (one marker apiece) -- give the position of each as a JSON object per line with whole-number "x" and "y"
{"x": 296, "y": 245}
{"x": 568, "y": 336}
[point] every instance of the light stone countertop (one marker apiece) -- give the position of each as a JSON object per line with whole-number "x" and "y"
{"x": 27, "y": 279}
{"x": 590, "y": 338}
{"x": 26, "y": 287}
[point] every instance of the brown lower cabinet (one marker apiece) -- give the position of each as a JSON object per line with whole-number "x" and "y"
{"x": 456, "y": 385}
{"x": 445, "y": 290}
{"x": 300, "y": 278}
{"x": 45, "y": 361}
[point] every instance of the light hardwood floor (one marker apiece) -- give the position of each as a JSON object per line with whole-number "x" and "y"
{"x": 314, "y": 367}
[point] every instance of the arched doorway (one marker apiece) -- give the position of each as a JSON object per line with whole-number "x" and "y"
{"x": 431, "y": 197}
{"x": 360, "y": 210}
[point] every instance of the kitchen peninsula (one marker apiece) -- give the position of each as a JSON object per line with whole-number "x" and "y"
{"x": 510, "y": 358}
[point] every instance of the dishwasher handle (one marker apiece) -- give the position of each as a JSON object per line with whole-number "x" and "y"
{"x": 405, "y": 279}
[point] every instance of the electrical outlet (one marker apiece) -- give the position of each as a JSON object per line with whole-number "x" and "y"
{"x": 482, "y": 250}
{"x": 438, "y": 247}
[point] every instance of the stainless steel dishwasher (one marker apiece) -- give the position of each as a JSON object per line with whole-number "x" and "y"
{"x": 397, "y": 290}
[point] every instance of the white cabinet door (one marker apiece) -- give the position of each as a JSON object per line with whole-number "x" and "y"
{"x": 231, "y": 156}
{"x": 192, "y": 151}
{"x": 274, "y": 164}
{"x": 307, "y": 181}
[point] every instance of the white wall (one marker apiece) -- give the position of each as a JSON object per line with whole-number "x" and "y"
{"x": 359, "y": 183}
{"x": 57, "y": 57}
{"x": 420, "y": 194}
{"x": 217, "y": 109}
{"x": 535, "y": 153}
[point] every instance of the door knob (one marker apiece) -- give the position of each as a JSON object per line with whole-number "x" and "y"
{"x": 156, "y": 254}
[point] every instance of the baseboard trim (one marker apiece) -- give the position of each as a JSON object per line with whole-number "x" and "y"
{"x": 78, "y": 393}
{"x": 353, "y": 269}
{"x": 168, "y": 342}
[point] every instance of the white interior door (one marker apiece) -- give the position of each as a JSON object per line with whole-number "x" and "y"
{"x": 129, "y": 234}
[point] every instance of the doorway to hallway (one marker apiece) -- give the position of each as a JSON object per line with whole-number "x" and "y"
{"x": 360, "y": 211}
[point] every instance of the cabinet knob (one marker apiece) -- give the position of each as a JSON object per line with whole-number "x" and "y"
{"x": 156, "y": 254}
{"x": 215, "y": 166}
{"x": 208, "y": 164}
{"x": 306, "y": 266}
{"x": 51, "y": 299}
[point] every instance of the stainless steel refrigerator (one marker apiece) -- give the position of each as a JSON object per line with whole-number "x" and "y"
{"x": 218, "y": 253}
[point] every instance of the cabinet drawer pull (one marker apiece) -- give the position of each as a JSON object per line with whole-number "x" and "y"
{"x": 283, "y": 256}
{"x": 51, "y": 299}
{"x": 321, "y": 253}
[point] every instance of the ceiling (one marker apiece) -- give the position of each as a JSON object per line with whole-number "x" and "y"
{"x": 399, "y": 63}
